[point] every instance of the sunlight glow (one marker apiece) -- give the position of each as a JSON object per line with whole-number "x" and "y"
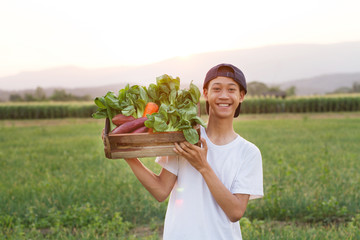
{"x": 41, "y": 34}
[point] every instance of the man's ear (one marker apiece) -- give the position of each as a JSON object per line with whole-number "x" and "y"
{"x": 242, "y": 96}
{"x": 205, "y": 93}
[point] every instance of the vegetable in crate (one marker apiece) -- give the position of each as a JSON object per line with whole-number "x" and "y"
{"x": 141, "y": 130}
{"x": 150, "y": 108}
{"x": 177, "y": 108}
{"x": 130, "y": 126}
{"x": 131, "y": 101}
{"x": 120, "y": 119}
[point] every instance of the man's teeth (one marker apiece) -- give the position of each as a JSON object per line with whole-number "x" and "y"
{"x": 223, "y": 105}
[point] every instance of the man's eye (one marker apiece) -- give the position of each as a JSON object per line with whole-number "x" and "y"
{"x": 232, "y": 89}
{"x": 216, "y": 89}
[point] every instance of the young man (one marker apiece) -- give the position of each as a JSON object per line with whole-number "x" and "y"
{"x": 210, "y": 185}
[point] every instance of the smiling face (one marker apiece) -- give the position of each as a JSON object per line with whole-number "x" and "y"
{"x": 224, "y": 96}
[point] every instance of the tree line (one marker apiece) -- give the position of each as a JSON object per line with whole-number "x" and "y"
{"x": 354, "y": 89}
{"x": 261, "y": 89}
{"x": 40, "y": 95}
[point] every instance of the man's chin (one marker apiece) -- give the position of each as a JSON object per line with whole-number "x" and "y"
{"x": 224, "y": 115}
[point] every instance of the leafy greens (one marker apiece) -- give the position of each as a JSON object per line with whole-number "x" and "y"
{"x": 177, "y": 107}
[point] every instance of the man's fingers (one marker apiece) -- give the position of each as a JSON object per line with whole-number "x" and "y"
{"x": 182, "y": 148}
{"x": 188, "y": 147}
{"x": 183, "y": 145}
{"x": 179, "y": 149}
{"x": 203, "y": 141}
{"x": 191, "y": 147}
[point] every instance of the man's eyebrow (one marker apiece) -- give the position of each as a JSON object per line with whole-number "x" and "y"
{"x": 217, "y": 83}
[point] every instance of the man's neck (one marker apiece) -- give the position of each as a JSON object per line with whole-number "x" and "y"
{"x": 220, "y": 131}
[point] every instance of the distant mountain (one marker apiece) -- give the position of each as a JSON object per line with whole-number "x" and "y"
{"x": 91, "y": 91}
{"x": 270, "y": 64}
{"x": 322, "y": 84}
{"x": 63, "y": 77}
{"x": 309, "y": 86}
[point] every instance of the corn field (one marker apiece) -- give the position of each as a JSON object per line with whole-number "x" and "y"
{"x": 47, "y": 110}
{"x": 249, "y": 106}
{"x": 301, "y": 105}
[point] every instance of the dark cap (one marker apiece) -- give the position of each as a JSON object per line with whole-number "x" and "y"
{"x": 230, "y": 71}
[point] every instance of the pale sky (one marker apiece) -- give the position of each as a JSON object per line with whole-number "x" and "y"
{"x": 38, "y": 34}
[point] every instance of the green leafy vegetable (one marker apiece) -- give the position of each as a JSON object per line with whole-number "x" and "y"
{"x": 177, "y": 107}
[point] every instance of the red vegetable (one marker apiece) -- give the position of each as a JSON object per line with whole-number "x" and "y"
{"x": 143, "y": 129}
{"x": 128, "y": 127}
{"x": 150, "y": 108}
{"x": 120, "y": 119}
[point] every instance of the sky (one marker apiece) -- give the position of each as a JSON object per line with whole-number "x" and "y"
{"x": 40, "y": 34}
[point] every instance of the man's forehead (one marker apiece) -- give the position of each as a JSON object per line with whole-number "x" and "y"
{"x": 223, "y": 81}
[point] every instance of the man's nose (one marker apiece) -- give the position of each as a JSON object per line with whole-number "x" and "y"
{"x": 224, "y": 94}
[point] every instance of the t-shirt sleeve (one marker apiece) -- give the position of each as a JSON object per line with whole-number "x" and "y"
{"x": 249, "y": 178}
{"x": 170, "y": 163}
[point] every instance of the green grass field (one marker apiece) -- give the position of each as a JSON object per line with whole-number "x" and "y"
{"x": 55, "y": 182}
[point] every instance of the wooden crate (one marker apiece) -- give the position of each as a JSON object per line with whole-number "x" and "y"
{"x": 137, "y": 145}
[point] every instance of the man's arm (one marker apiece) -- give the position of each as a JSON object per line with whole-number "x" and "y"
{"x": 159, "y": 186}
{"x": 234, "y": 205}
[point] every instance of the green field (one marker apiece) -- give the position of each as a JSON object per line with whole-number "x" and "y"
{"x": 55, "y": 182}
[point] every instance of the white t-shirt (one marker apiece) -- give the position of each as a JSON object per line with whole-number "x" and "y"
{"x": 192, "y": 211}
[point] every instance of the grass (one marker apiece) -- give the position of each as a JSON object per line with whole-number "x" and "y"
{"x": 311, "y": 168}
{"x": 51, "y": 166}
{"x": 274, "y": 230}
{"x": 55, "y": 182}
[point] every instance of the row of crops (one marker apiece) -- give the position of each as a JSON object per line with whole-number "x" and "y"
{"x": 301, "y": 105}
{"x": 249, "y": 106}
{"x": 42, "y": 111}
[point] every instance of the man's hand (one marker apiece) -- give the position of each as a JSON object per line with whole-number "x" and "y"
{"x": 195, "y": 155}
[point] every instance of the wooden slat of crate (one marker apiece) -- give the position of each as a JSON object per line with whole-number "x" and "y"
{"x": 146, "y": 138}
{"x": 143, "y": 151}
{"x": 132, "y": 145}
{"x": 144, "y": 144}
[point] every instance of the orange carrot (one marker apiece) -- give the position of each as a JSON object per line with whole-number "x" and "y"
{"x": 150, "y": 108}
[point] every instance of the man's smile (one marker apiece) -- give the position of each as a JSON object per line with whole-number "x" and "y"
{"x": 224, "y": 104}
